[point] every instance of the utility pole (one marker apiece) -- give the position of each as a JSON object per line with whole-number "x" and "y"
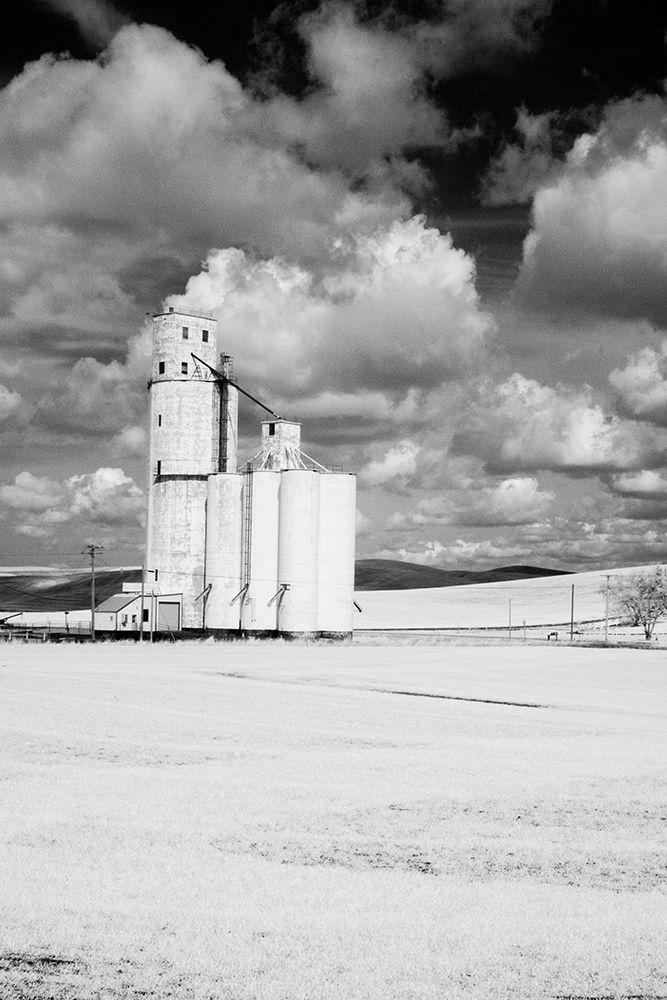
{"x": 606, "y": 611}
{"x": 572, "y": 616}
{"x": 141, "y": 613}
{"x": 143, "y": 596}
{"x": 91, "y": 550}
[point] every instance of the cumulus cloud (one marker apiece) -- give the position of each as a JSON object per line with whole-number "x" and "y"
{"x": 119, "y": 174}
{"x": 599, "y": 231}
{"x": 645, "y": 484}
{"x": 522, "y": 424}
{"x": 14, "y": 411}
{"x": 642, "y": 384}
{"x": 31, "y": 493}
{"x": 516, "y": 500}
{"x": 368, "y": 106}
{"x": 183, "y": 129}
{"x": 42, "y": 505}
{"x": 396, "y": 466}
{"x": 369, "y": 99}
{"x": 562, "y": 543}
{"x": 460, "y": 553}
{"x": 396, "y": 311}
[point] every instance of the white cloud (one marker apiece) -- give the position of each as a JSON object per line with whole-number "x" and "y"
{"x": 396, "y": 310}
{"x": 31, "y": 493}
{"x": 646, "y": 484}
{"x": 459, "y": 554}
{"x": 369, "y": 101}
{"x": 396, "y": 467}
{"x": 42, "y": 505}
{"x": 516, "y": 500}
{"x": 521, "y": 424}
{"x": 154, "y": 110}
{"x": 561, "y": 543}
{"x": 107, "y": 495}
{"x": 599, "y": 234}
{"x": 642, "y": 384}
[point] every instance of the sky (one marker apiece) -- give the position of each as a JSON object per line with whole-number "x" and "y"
{"x": 435, "y": 232}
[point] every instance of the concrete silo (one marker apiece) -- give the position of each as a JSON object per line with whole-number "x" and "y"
{"x": 266, "y": 550}
{"x": 192, "y": 435}
{"x": 224, "y": 553}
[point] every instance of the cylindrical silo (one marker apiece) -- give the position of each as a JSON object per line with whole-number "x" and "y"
{"x": 185, "y": 439}
{"x": 224, "y": 550}
{"x": 259, "y": 573}
{"x": 336, "y": 553}
{"x": 298, "y": 550}
{"x": 176, "y": 542}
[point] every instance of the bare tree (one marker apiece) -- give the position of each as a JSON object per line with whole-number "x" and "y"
{"x": 641, "y": 598}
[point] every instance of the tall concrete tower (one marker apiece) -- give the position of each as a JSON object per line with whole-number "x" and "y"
{"x": 193, "y": 432}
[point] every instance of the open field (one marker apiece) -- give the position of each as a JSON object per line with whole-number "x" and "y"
{"x": 281, "y": 821}
{"x": 542, "y": 602}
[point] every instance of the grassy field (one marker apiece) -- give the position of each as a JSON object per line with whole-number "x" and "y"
{"x": 281, "y": 821}
{"x": 540, "y": 603}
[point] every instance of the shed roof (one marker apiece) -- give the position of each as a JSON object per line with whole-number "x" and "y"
{"x": 116, "y": 602}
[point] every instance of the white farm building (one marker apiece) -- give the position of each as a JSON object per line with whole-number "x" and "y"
{"x": 264, "y": 549}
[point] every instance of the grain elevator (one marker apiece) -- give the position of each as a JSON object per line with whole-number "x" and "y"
{"x": 265, "y": 549}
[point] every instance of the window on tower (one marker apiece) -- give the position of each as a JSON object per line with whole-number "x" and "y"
{"x": 186, "y": 333}
{"x": 159, "y": 420}
{"x": 204, "y": 336}
{"x": 160, "y": 368}
{"x": 184, "y": 368}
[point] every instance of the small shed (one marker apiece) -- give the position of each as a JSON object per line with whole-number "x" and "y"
{"x": 121, "y": 613}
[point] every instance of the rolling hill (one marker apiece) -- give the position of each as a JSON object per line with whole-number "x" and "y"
{"x": 391, "y": 574}
{"x": 45, "y": 589}
{"x": 38, "y": 589}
